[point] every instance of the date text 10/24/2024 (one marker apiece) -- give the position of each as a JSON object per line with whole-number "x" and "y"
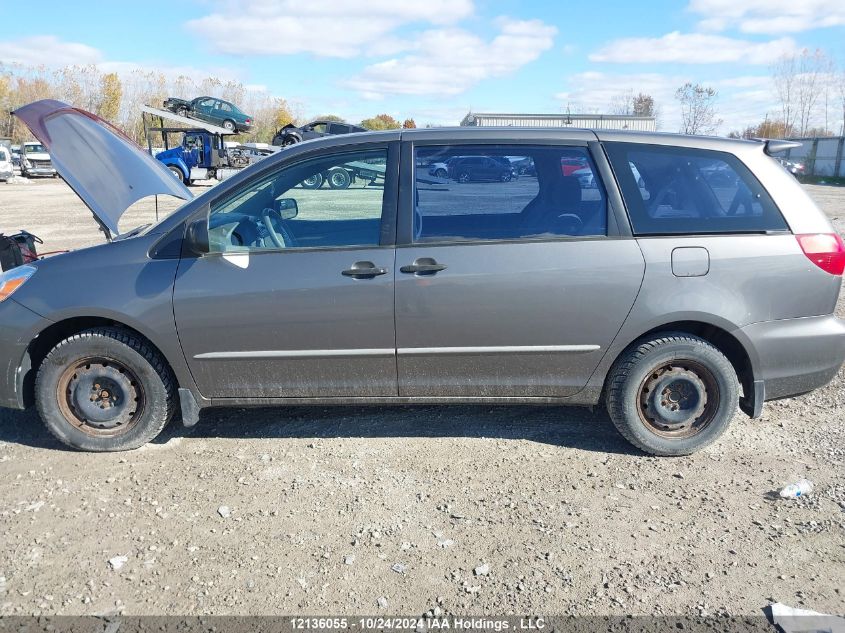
{"x": 441, "y": 623}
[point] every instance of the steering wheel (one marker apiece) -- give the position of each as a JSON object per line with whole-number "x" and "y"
{"x": 279, "y": 235}
{"x": 571, "y": 222}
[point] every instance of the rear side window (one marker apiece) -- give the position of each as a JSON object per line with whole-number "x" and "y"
{"x": 506, "y": 192}
{"x": 678, "y": 190}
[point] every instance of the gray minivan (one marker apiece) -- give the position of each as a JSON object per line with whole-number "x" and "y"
{"x": 688, "y": 277}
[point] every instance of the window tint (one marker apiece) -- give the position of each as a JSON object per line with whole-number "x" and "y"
{"x": 329, "y": 201}
{"x": 339, "y": 128}
{"x": 467, "y": 193}
{"x": 671, "y": 190}
{"x": 226, "y": 107}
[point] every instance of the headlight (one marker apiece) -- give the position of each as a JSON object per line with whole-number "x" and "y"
{"x": 13, "y": 279}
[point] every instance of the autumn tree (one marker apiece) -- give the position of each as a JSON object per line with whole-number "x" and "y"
{"x": 111, "y": 92}
{"x": 409, "y": 124}
{"x": 381, "y": 122}
{"x": 643, "y": 105}
{"x": 330, "y": 117}
{"x": 698, "y": 109}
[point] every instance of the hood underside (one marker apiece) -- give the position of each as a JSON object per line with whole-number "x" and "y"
{"x": 105, "y": 168}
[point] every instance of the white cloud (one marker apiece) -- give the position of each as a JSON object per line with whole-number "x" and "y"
{"x": 742, "y": 100}
{"x": 325, "y": 28}
{"x": 768, "y": 16}
{"x": 692, "y": 48}
{"x": 48, "y": 50}
{"x": 449, "y": 61}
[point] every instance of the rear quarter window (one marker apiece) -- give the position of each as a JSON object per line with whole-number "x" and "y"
{"x": 679, "y": 190}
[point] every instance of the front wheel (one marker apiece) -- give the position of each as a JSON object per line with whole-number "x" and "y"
{"x": 313, "y": 182}
{"x": 672, "y": 395}
{"x": 105, "y": 389}
{"x": 177, "y": 173}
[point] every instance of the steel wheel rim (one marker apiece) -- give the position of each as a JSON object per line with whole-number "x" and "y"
{"x": 678, "y": 399}
{"x": 100, "y": 397}
{"x": 338, "y": 179}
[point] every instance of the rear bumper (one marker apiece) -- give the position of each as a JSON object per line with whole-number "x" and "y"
{"x": 41, "y": 171}
{"x": 794, "y": 356}
{"x": 18, "y": 326}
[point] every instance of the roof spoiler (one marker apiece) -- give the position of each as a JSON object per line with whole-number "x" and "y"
{"x": 774, "y": 146}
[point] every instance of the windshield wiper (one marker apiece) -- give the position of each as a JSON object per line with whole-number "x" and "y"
{"x": 132, "y": 233}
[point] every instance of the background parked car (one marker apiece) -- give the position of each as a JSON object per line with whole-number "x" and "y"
{"x": 6, "y": 170}
{"x": 35, "y": 161}
{"x": 16, "y": 155}
{"x": 475, "y": 168}
{"x": 570, "y": 165}
{"x": 793, "y": 167}
{"x": 291, "y": 134}
{"x": 213, "y": 110}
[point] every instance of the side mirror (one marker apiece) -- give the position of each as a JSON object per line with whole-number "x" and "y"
{"x": 196, "y": 237}
{"x": 287, "y": 208}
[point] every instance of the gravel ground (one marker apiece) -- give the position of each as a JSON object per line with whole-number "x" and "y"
{"x": 479, "y": 510}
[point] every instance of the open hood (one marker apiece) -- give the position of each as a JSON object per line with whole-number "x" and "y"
{"x": 105, "y": 168}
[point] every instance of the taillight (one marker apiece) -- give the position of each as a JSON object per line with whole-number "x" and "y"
{"x": 825, "y": 250}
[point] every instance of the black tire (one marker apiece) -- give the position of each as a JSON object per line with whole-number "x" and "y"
{"x": 697, "y": 389}
{"x": 313, "y": 182}
{"x": 142, "y": 391}
{"x": 290, "y": 140}
{"x": 177, "y": 172}
{"x": 441, "y": 173}
{"x": 464, "y": 177}
{"x": 182, "y": 111}
{"x": 229, "y": 125}
{"x": 339, "y": 178}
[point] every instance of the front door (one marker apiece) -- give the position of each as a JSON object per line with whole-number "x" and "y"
{"x": 295, "y": 298}
{"x": 508, "y": 289}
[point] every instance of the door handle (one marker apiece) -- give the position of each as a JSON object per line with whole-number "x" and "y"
{"x": 363, "y": 270}
{"x": 423, "y": 266}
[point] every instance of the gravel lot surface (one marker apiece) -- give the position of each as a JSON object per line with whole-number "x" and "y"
{"x": 478, "y": 510}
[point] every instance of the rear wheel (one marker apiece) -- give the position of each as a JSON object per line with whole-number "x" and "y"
{"x": 463, "y": 177}
{"x": 672, "y": 395}
{"x": 105, "y": 389}
{"x": 229, "y": 125}
{"x": 339, "y": 178}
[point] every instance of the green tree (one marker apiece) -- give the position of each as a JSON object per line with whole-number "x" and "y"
{"x": 381, "y": 122}
{"x": 111, "y": 93}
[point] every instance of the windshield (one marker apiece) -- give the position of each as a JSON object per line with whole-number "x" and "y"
{"x": 33, "y": 148}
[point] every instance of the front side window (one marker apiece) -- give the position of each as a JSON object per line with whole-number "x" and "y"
{"x": 676, "y": 190}
{"x": 207, "y": 103}
{"x": 330, "y": 201}
{"x": 499, "y": 192}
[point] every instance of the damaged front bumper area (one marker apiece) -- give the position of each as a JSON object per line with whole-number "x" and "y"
{"x": 18, "y": 327}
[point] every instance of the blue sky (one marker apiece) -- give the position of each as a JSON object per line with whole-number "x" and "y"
{"x": 435, "y": 59}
